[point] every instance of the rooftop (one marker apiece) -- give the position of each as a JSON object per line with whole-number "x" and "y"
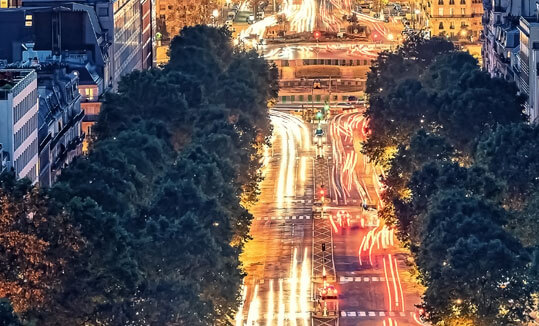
{"x": 9, "y": 78}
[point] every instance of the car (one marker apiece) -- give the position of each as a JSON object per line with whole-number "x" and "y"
{"x": 228, "y": 23}
{"x": 319, "y": 132}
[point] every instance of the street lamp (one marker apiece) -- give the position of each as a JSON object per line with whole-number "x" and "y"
{"x": 215, "y": 13}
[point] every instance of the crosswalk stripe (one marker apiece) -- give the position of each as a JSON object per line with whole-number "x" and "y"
{"x": 346, "y": 313}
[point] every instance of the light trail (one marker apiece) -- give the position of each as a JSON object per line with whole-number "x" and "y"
{"x": 292, "y": 305}
{"x": 269, "y": 316}
{"x": 305, "y": 282}
{"x": 399, "y": 282}
{"x": 281, "y": 316}
{"x": 252, "y": 317}
{"x": 394, "y": 281}
{"x": 294, "y": 136}
{"x": 387, "y": 285}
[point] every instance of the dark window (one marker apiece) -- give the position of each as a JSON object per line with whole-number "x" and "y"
{"x": 441, "y": 25}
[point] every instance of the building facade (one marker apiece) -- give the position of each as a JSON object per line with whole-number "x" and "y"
{"x": 60, "y": 121}
{"x": 173, "y": 15}
{"x": 527, "y": 69}
{"x": 458, "y": 20}
{"x": 19, "y": 122}
{"x": 500, "y": 41}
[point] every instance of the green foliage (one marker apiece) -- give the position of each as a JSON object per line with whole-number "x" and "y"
{"x": 472, "y": 267}
{"x": 7, "y": 316}
{"x": 511, "y": 153}
{"x": 468, "y": 212}
{"x": 443, "y": 92}
{"x": 36, "y": 245}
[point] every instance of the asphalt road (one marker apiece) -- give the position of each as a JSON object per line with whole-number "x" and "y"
{"x": 373, "y": 280}
{"x": 277, "y": 288}
{"x": 374, "y": 285}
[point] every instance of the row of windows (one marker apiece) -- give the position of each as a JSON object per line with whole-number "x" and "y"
{"x": 32, "y": 174}
{"x": 23, "y": 133}
{"x": 26, "y": 156}
{"x": 451, "y": 2}
{"x": 26, "y": 104}
{"x": 335, "y": 62}
{"x": 311, "y": 98}
{"x": 452, "y": 12}
{"x": 452, "y": 25}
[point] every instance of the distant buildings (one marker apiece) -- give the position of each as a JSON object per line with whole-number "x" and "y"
{"x": 510, "y": 45}
{"x": 528, "y": 64}
{"x": 458, "y": 20}
{"x": 173, "y": 15}
{"x": 40, "y": 121}
{"x": 60, "y": 121}
{"x": 19, "y": 122}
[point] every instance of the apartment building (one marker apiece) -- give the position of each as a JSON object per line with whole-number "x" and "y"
{"x": 458, "y": 20}
{"x": 19, "y": 122}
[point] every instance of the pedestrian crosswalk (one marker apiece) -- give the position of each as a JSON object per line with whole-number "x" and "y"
{"x": 374, "y": 222}
{"x": 293, "y": 217}
{"x": 348, "y": 279}
{"x": 372, "y": 314}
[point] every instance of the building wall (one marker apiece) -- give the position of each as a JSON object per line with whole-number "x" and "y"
{"x": 127, "y": 38}
{"x": 173, "y": 15}
{"x": 18, "y": 120}
{"x": 529, "y": 59}
{"x": 457, "y": 19}
{"x": 147, "y": 27}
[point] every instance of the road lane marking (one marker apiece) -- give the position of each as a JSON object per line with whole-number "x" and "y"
{"x": 351, "y": 314}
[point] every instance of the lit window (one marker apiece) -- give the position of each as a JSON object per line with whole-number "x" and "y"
{"x": 28, "y": 20}
{"x": 440, "y": 11}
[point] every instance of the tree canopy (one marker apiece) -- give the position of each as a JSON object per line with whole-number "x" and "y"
{"x": 460, "y": 177}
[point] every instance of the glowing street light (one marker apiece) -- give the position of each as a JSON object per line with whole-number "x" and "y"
{"x": 390, "y": 37}
{"x": 215, "y": 13}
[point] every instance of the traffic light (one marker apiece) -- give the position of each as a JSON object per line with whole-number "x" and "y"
{"x": 319, "y": 115}
{"x": 326, "y": 106}
{"x": 317, "y": 35}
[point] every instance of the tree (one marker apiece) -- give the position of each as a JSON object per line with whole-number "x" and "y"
{"x": 7, "y": 316}
{"x": 511, "y": 154}
{"x": 433, "y": 178}
{"x": 423, "y": 148}
{"x": 165, "y": 183}
{"x": 472, "y": 267}
{"x": 201, "y": 51}
{"x": 35, "y": 246}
